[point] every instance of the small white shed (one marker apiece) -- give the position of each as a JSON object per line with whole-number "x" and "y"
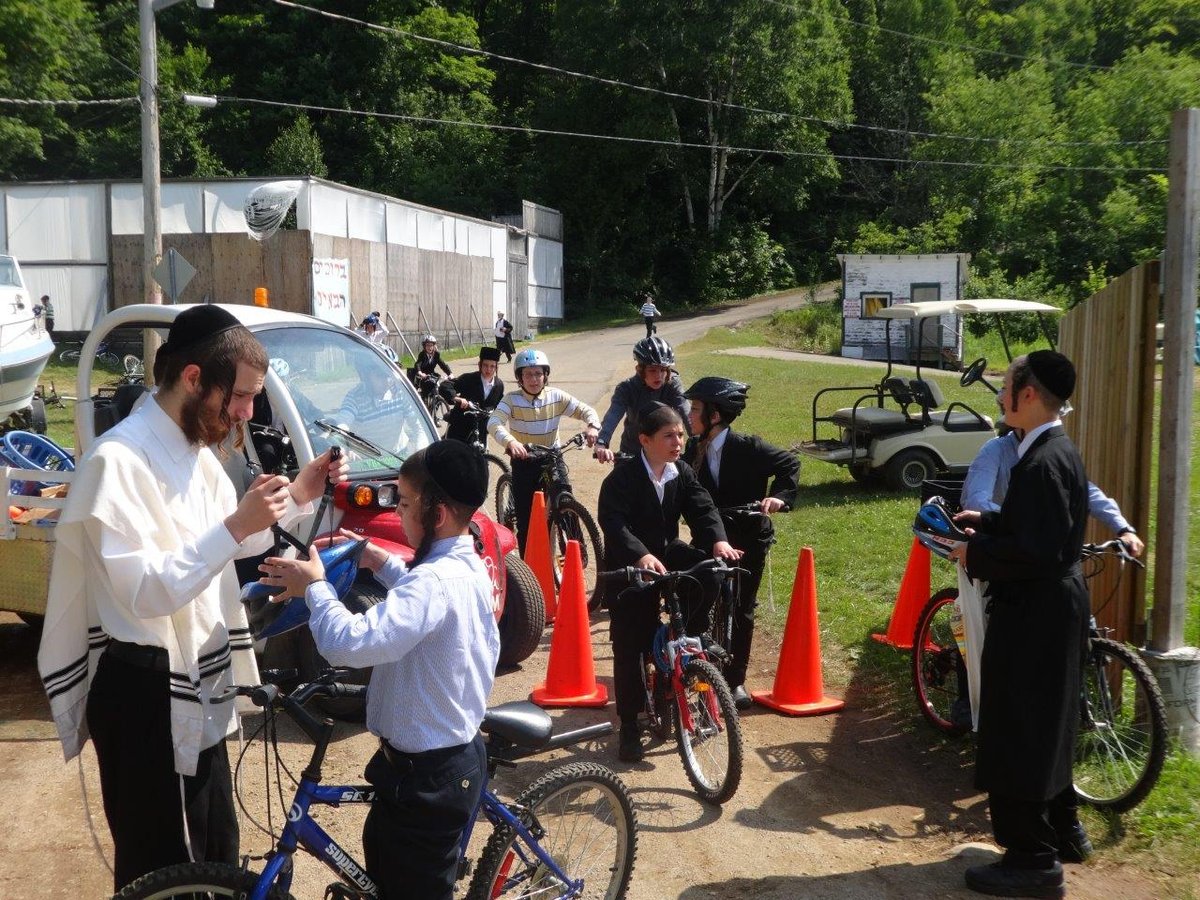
{"x": 873, "y": 282}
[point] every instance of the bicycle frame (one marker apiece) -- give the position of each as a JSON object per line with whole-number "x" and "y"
{"x": 670, "y": 655}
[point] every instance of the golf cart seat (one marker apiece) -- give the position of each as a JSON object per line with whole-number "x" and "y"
{"x": 876, "y": 422}
{"x": 928, "y": 396}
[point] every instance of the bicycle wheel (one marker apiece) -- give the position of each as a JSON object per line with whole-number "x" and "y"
{"x": 438, "y": 408}
{"x": 939, "y": 673}
{"x": 497, "y": 462}
{"x": 585, "y": 820}
{"x": 506, "y": 507}
{"x": 572, "y": 522}
{"x": 196, "y": 880}
{"x": 71, "y": 354}
{"x": 108, "y": 358}
{"x": 1122, "y": 730}
{"x": 711, "y": 749}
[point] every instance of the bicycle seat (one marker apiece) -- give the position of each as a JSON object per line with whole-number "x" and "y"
{"x": 520, "y": 722}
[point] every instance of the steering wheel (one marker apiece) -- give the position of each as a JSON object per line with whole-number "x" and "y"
{"x": 973, "y": 373}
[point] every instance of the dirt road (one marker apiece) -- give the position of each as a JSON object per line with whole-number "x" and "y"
{"x": 849, "y": 805}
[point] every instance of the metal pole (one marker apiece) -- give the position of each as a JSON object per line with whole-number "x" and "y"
{"x": 1174, "y": 446}
{"x": 449, "y": 315}
{"x": 151, "y": 177}
{"x": 484, "y": 336}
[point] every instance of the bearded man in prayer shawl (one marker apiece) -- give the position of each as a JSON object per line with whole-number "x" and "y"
{"x": 1029, "y": 553}
{"x": 143, "y": 625}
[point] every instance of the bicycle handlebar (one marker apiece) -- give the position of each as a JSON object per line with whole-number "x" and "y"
{"x": 569, "y": 444}
{"x": 1117, "y": 548}
{"x": 635, "y": 575}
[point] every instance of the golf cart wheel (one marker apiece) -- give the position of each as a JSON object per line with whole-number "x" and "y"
{"x": 863, "y": 473}
{"x": 907, "y": 469}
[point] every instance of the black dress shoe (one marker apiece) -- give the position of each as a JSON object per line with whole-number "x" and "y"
{"x": 1074, "y": 846}
{"x": 741, "y": 699}
{"x": 999, "y": 880}
{"x": 629, "y": 747}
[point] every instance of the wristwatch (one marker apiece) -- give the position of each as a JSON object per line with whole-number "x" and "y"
{"x": 1128, "y": 529}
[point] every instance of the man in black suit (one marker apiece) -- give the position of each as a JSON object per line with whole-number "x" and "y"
{"x": 641, "y": 502}
{"x": 738, "y": 469}
{"x": 1029, "y": 554}
{"x": 483, "y": 388}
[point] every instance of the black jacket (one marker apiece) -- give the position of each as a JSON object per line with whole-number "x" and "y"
{"x": 1029, "y": 553}
{"x": 425, "y": 365}
{"x": 635, "y": 523}
{"x": 469, "y": 386}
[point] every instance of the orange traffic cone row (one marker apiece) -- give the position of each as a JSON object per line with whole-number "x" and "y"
{"x": 914, "y": 592}
{"x": 799, "y": 689}
{"x": 571, "y": 672}
{"x": 537, "y": 553}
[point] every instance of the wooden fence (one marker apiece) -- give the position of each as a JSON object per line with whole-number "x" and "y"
{"x": 1110, "y": 338}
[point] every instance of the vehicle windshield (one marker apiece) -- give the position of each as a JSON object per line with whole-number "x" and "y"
{"x": 9, "y": 276}
{"x": 334, "y": 378}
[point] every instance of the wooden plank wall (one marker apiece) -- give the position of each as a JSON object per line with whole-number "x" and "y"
{"x": 384, "y": 277}
{"x": 1110, "y": 338}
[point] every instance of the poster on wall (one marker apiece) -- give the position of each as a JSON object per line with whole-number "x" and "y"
{"x": 331, "y": 290}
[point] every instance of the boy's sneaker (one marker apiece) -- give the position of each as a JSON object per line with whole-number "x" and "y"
{"x": 999, "y": 880}
{"x": 1074, "y": 846}
{"x": 629, "y": 748}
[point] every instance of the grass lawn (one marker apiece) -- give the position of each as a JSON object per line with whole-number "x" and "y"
{"x": 861, "y": 538}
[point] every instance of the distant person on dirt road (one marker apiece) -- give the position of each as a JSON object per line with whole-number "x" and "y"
{"x": 649, "y": 313}
{"x": 737, "y": 469}
{"x": 504, "y": 341}
{"x": 654, "y": 379}
{"x": 143, "y": 623}
{"x": 1029, "y": 553}
{"x": 434, "y": 644}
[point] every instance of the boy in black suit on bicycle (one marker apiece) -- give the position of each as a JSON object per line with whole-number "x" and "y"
{"x": 641, "y": 503}
{"x": 738, "y": 469}
{"x": 483, "y": 388}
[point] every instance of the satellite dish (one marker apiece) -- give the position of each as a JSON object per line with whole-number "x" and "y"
{"x": 267, "y": 205}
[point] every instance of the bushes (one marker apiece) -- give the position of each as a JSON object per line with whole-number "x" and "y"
{"x": 815, "y": 328}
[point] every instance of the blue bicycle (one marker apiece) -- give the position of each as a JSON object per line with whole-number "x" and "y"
{"x": 570, "y": 834}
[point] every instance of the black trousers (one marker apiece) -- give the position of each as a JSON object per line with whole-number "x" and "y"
{"x": 634, "y": 618}
{"x": 650, "y": 326}
{"x": 423, "y": 803}
{"x": 525, "y": 476}
{"x": 129, "y": 717}
{"x": 1028, "y": 829}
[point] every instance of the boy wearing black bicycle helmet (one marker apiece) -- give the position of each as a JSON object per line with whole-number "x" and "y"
{"x": 654, "y": 380}
{"x": 1029, "y": 554}
{"x": 739, "y": 469}
{"x": 641, "y": 503}
{"x": 531, "y": 416}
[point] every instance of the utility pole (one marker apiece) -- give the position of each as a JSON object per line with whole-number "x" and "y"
{"x": 151, "y": 158}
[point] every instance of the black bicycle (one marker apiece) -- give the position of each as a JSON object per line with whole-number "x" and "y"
{"x": 1122, "y": 739}
{"x": 685, "y": 691}
{"x": 568, "y": 519}
{"x": 427, "y": 389}
{"x": 477, "y": 413}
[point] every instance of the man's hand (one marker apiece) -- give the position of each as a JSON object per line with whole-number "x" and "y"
{"x": 726, "y": 551}
{"x": 310, "y": 483}
{"x": 959, "y": 554}
{"x": 293, "y": 575}
{"x": 604, "y": 454}
{"x": 968, "y": 517}
{"x": 261, "y": 507}
{"x": 517, "y": 450}
{"x": 590, "y": 434}
{"x": 651, "y": 562}
{"x": 1132, "y": 543}
{"x": 772, "y": 505}
{"x": 462, "y": 402}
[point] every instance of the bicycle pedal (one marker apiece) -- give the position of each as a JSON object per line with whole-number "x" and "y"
{"x": 340, "y": 891}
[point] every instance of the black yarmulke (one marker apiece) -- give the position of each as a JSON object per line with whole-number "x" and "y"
{"x": 197, "y": 324}
{"x": 1054, "y": 371}
{"x": 459, "y": 471}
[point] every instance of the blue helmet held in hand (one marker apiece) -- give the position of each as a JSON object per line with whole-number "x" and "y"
{"x": 269, "y": 619}
{"x": 934, "y": 527}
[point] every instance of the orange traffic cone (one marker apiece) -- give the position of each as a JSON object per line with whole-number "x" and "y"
{"x": 571, "y": 672}
{"x": 914, "y": 592}
{"x": 799, "y": 689}
{"x": 537, "y": 553}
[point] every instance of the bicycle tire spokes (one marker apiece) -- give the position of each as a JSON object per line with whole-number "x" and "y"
{"x": 711, "y": 746}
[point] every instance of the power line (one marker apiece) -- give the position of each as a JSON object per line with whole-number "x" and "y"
{"x": 675, "y": 95}
{"x": 952, "y": 44}
{"x": 525, "y": 129}
{"x": 24, "y": 101}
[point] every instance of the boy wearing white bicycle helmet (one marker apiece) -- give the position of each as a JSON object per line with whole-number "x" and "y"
{"x": 531, "y": 415}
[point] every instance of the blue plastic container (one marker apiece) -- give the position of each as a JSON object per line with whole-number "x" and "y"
{"x": 26, "y": 450}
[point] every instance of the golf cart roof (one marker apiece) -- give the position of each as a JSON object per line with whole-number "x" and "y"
{"x": 931, "y": 308}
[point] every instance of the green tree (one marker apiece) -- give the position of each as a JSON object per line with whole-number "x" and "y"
{"x": 297, "y": 151}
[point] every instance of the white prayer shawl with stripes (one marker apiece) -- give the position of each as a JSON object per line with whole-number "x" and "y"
{"x": 208, "y": 640}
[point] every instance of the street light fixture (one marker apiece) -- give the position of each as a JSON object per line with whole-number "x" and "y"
{"x": 151, "y": 154}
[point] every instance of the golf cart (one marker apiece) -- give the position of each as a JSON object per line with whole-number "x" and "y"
{"x": 917, "y": 436}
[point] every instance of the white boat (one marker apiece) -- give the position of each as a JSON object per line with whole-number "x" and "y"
{"x": 25, "y": 345}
